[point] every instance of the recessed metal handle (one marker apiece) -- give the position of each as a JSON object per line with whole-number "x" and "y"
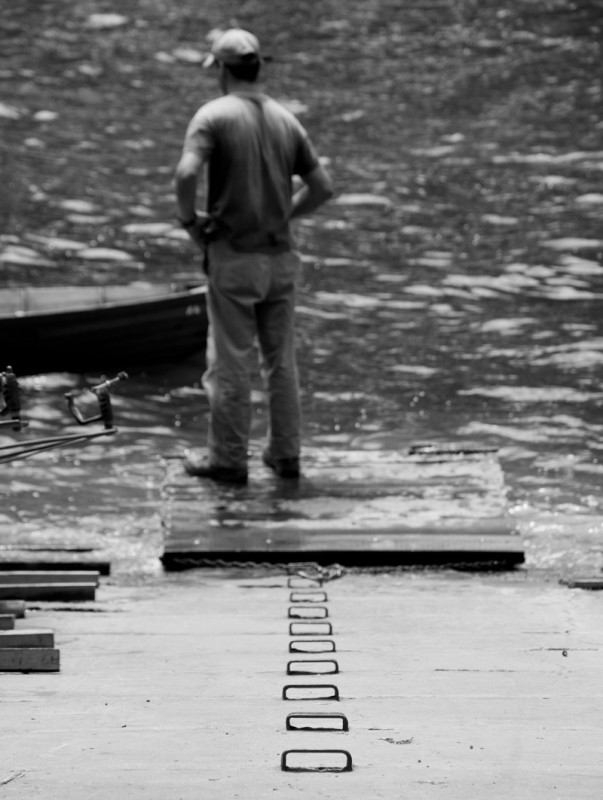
{"x": 308, "y": 597}
{"x": 310, "y": 629}
{"x": 297, "y": 582}
{"x": 311, "y": 646}
{"x": 329, "y": 691}
{"x": 322, "y": 765}
{"x": 339, "y": 722}
{"x": 308, "y": 612}
{"x": 313, "y": 667}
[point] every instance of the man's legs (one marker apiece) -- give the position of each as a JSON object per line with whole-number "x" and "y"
{"x": 276, "y": 333}
{"x": 236, "y": 282}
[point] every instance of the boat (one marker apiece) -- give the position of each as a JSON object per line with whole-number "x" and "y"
{"x": 97, "y": 328}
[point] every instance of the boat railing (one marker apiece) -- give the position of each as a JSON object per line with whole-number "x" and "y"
{"x": 33, "y": 300}
{"x": 25, "y": 449}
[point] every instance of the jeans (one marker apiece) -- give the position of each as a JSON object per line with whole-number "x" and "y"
{"x": 251, "y": 295}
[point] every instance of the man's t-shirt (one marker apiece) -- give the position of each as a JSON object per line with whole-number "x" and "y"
{"x": 253, "y": 146}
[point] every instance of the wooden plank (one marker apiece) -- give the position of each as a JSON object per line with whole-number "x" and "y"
{"x": 27, "y": 637}
{"x": 29, "y": 659}
{"x": 14, "y": 607}
{"x": 40, "y": 560}
{"x": 48, "y": 591}
{"x": 365, "y": 507}
{"x": 7, "y": 622}
{"x": 47, "y": 576}
{"x": 594, "y": 583}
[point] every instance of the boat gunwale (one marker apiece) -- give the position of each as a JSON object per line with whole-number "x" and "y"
{"x": 168, "y": 298}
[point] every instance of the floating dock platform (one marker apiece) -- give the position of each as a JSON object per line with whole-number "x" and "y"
{"x": 443, "y": 505}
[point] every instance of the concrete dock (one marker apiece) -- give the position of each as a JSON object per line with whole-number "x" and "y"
{"x": 453, "y": 685}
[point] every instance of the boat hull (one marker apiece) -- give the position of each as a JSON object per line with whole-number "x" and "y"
{"x": 160, "y": 330}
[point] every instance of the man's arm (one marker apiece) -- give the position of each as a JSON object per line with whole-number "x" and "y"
{"x": 317, "y": 189}
{"x": 185, "y": 181}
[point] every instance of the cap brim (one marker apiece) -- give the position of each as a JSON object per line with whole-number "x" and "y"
{"x": 211, "y": 59}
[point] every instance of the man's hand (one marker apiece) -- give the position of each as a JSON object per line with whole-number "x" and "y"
{"x": 196, "y": 230}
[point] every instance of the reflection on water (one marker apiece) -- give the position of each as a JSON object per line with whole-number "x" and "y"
{"x": 452, "y": 291}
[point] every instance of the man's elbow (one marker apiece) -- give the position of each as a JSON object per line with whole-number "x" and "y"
{"x": 183, "y": 174}
{"x": 186, "y": 169}
{"x": 324, "y": 191}
{"x": 319, "y": 185}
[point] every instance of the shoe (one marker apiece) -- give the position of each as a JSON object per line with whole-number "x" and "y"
{"x": 284, "y": 467}
{"x": 200, "y": 467}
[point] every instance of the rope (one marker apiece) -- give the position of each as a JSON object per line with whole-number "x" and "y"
{"x": 315, "y": 571}
{"x": 306, "y": 569}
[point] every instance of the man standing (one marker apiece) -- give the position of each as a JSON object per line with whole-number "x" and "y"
{"x": 252, "y": 147}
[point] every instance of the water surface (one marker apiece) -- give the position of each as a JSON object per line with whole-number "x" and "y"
{"x": 452, "y": 290}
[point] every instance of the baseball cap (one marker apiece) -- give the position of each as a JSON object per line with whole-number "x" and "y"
{"x": 235, "y": 46}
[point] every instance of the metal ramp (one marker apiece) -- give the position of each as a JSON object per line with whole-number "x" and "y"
{"x": 429, "y": 505}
